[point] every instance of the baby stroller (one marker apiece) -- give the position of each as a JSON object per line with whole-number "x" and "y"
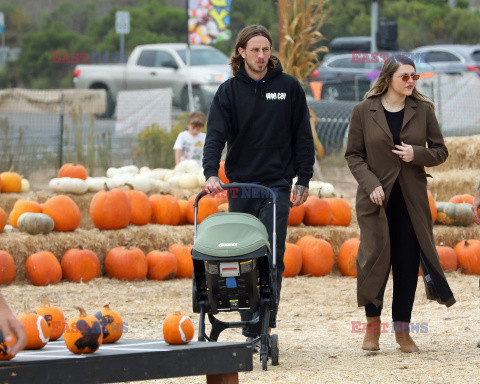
{"x": 232, "y": 272}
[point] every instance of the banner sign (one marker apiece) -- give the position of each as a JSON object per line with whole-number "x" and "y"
{"x": 208, "y": 21}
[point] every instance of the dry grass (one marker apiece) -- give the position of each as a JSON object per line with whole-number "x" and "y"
{"x": 463, "y": 153}
{"x": 446, "y": 184}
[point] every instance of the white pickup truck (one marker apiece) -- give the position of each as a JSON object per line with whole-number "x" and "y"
{"x": 160, "y": 66}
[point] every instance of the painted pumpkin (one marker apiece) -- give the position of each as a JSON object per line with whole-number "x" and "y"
{"x": 11, "y": 182}
{"x": 36, "y": 329}
{"x": 448, "y": 258}
{"x": 141, "y": 207}
{"x": 165, "y": 209}
{"x": 53, "y": 316}
{"x": 177, "y": 328}
{"x": 110, "y": 209}
{"x": 296, "y": 215}
{"x": 112, "y": 325}
{"x": 83, "y": 333}
{"x": 433, "y": 206}
{"x": 184, "y": 260}
{"x": 7, "y": 268}
{"x": 454, "y": 214}
{"x": 292, "y": 260}
{"x": 4, "y": 345}
{"x": 74, "y": 171}
{"x": 35, "y": 223}
{"x": 43, "y": 268}
{"x": 20, "y": 207}
{"x": 317, "y": 256}
{"x": 80, "y": 265}
{"x": 468, "y": 254}
{"x": 317, "y": 211}
{"x": 347, "y": 257}
{"x": 162, "y": 265}
{"x": 64, "y": 212}
{"x": 206, "y": 207}
{"x": 341, "y": 211}
{"x": 126, "y": 263}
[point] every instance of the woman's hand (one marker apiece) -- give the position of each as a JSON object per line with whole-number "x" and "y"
{"x": 377, "y": 196}
{"x": 404, "y": 151}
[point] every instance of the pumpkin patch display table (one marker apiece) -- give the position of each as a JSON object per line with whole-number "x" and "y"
{"x": 129, "y": 360}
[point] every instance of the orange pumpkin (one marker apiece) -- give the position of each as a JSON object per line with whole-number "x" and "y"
{"x": 4, "y": 345}
{"x": 11, "y": 182}
{"x": 112, "y": 324}
{"x": 64, "y": 212}
{"x": 296, "y": 215}
{"x": 223, "y": 207}
{"x": 347, "y": 257}
{"x": 126, "y": 263}
{"x": 162, "y": 265}
{"x": 206, "y": 207}
{"x": 80, "y": 265}
{"x": 141, "y": 207}
{"x": 74, "y": 171}
{"x": 448, "y": 258}
{"x": 3, "y": 220}
{"x": 43, "y": 268}
{"x": 53, "y": 316}
{"x": 317, "y": 211}
{"x": 184, "y": 260}
{"x": 36, "y": 329}
{"x": 183, "y": 211}
{"x": 468, "y": 254}
{"x": 220, "y": 197}
{"x": 341, "y": 211}
{"x": 110, "y": 209}
{"x": 177, "y": 328}
{"x": 317, "y": 256}
{"x": 433, "y": 206}
{"x": 292, "y": 260}
{"x": 221, "y": 173}
{"x": 7, "y": 268}
{"x": 83, "y": 333}
{"x": 20, "y": 207}
{"x": 457, "y": 199}
{"x": 165, "y": 209}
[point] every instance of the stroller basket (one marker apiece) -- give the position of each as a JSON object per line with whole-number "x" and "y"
{"x": 230, "y": 257}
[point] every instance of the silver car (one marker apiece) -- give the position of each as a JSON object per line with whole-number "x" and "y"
{"x": 450, "y": 58}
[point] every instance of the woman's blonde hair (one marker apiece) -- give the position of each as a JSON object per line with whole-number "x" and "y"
{"x": 243, "y": 38}
{"x": 388, "y": 69}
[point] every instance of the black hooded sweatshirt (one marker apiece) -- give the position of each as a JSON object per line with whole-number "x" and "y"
{"x": 266, "y": 127}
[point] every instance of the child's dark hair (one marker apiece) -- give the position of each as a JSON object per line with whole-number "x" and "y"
{"x": 197, "y": 119}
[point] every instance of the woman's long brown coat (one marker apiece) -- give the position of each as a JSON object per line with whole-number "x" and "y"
{"x": 372, "y": 163}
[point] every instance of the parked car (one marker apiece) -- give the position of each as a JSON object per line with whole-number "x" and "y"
{"x": 160, "y": 66}
{"x": 450, "y": 58}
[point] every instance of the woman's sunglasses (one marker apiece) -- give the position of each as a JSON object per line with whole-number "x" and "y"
{"x": 407, "y": 77}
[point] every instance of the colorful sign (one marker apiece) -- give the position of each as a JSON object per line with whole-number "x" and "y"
{"x": 208, "y": 21}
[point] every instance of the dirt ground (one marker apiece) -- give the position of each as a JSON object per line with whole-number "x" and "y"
{"x": 317, "y": 344}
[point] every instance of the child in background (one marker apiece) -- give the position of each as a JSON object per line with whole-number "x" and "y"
{"x": 189, "y": 144}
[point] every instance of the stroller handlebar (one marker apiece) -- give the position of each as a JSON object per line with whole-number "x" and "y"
{"x": 238, "y": 185}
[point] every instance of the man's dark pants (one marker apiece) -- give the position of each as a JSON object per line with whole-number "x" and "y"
{"x": 262, "y": 207}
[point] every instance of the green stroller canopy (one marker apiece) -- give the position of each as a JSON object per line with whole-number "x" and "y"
{"x": 229, "y": 234}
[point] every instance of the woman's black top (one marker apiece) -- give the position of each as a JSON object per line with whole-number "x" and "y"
{"x": 395, "y": 121}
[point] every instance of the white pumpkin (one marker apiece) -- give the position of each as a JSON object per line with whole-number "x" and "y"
{"x": 160, "y": 186}
{"x": 320, "y": 189}
{"x": 96, "y": 184}
{"x": 128, "y": 169}
{"x": 119, "y": 180}
{"x": 158, "y": 173}
{"x": 141, "y": 182}
{"x": 145, "y": 170}
{"x": 168, "y": 174}
{"x": 188, "y": 181}
{"x": 68, "y": 185}
{"x": 173, "y": 181}
{"x": 25, "y": 186}
{"x": 187, "y": 166}
{"x": 201, "y": 179}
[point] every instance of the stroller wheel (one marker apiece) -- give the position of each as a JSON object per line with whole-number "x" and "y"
{"x": 264, "y": 360}
{"x": 273, "y": 349}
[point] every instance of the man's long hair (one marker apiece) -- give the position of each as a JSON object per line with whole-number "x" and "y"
{"x": 243, "y": 38}
{"x": 383, "y": 81}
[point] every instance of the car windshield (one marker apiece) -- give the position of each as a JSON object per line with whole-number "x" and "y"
{"x": 204, "y": 57}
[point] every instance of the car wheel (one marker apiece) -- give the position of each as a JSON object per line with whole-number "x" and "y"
{"x": 197, "y": 99}
{"x": 330, "y": 93}
{"x": 110, "y": 105}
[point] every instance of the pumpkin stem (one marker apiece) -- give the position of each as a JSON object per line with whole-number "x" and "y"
{"x": 129, "y": 186}
{"x": 129, "y": 245}
{"x": 105, "y": 186}
{"x": 25, "y": 306}
{"x": 177, "y": 313}
{"x": 45, "y": 301}
{"x": 467, "y": 244}
{"x": 82, "y": 311}
{"x": 107, "y": 306}
{"x": 11, "y": 169}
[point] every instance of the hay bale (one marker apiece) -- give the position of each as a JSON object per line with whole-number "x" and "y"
{"x": 446, "y": 184}
{"x": 463, "y": 153}
{"x": 333, "y": 234}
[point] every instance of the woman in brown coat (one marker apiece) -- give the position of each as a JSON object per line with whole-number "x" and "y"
{"x": 393, "y": 135}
